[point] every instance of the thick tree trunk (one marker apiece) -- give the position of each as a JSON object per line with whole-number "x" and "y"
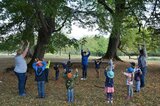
{"x": 42, "y": 42}
{"x": 112, "y": 48}
{"x": 114, "y": 39}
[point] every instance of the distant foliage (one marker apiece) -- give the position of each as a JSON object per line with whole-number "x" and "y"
{"x": 97, "y": 45}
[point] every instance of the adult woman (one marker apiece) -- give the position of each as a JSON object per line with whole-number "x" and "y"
{"x": 142, "y": 65}
{"x": 20, "y": 69}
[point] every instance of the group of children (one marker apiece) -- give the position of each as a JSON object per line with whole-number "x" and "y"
{"x": 133, "y": 76}
{"x": 41, "y": 69}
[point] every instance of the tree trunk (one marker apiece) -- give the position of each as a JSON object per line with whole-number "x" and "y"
{"x": 112, "y": 48}
{"x": 114, "y": 39}
{"x": 42, "y": 42}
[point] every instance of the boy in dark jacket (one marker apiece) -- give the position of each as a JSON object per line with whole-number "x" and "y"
{"x": 56, "y": 68}
{"x": 97, "y": 67}
{"x": 40, "y": 77}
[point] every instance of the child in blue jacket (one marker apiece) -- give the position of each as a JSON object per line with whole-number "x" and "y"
{"x": 85, "y": 55}
{"x": 40, "y": 76}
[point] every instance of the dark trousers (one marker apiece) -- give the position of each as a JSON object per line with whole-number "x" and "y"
{"x": 84, "y": 72}
{"x": 144, "y": 71}
{"x": 109, "y": 96}
{"x": 21, "y": 82}
{"x": 46, "y": 74}
{"x": 56, "y": 74}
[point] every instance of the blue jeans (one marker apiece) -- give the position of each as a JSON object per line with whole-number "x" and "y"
{"x": 138, "y": 83}
{"x": 41, "y": 89}
{"x": 21, "y": 83}
{"x": 84, "y": 72}
{"x": 130, "y": 90}
{"x": 70, "y": 95}
{"x": 144, "y": 71}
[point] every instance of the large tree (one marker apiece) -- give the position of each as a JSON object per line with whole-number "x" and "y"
{"x": 30, "y": 18}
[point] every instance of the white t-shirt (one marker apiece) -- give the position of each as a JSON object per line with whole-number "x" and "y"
{"x": 20, "y": 64}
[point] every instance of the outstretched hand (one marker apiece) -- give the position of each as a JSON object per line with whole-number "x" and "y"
{"x": 22, "y": 42}
{"x": 27, "y": 42}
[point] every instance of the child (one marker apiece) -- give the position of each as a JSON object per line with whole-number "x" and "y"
{"x": 97, "y": 67}
{"x": 40, "y": 77}
{"x": 47, "y": 70}
{"x": 70, "y": 85}
{"x": 85, "y": 55}
{"x": 129, "y": 74}
{"x": 137, "y": 77}
{"x": 109, "y": 83}
{"x": 133, "y": 64}
{"x": 56, "y": 68}
{"x": 67, "y": 66}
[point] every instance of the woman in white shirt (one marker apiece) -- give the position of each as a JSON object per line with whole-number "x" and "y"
{"x": 21, "y": 69}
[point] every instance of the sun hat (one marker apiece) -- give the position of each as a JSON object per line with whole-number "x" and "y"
{"x": 69, "y": 75}
{"x": 130, "y": 69}
{"x": 110, "y": 74}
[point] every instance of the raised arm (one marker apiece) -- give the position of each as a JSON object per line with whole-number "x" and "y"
{"x": 82, "y": 52}
{"x": 88, "y": 52}
{"x": 26, "y": 49}
{"x": 34, "y": 66}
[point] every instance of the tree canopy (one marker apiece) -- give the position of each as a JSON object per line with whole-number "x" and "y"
{"x": 128, "y": 23}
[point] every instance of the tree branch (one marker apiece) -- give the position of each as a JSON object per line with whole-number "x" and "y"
{"x": 56, "y": 30}
{"x": 40, "y": 15}
{"x": 102, "y": 2}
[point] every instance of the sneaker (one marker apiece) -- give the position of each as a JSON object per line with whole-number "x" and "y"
{"x": 111, "y": 101}
{"x": 136, "y": 91}
{"x": 82, "y": 78}
{"x": 22, "y": 94}
{"x": 128, "y": 97}
{"x": 108, "y": 101}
